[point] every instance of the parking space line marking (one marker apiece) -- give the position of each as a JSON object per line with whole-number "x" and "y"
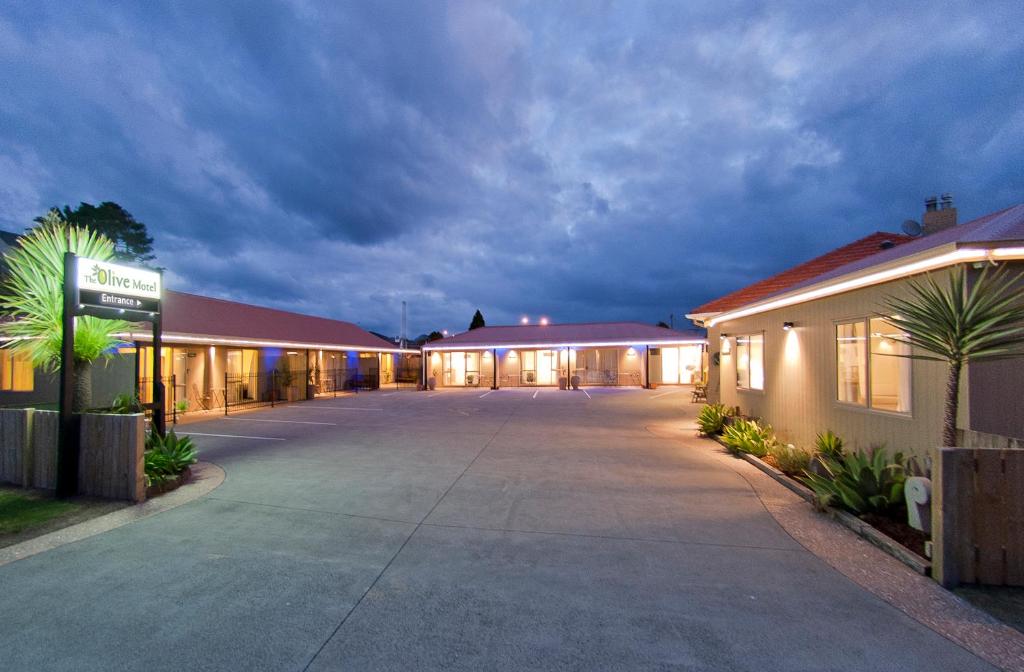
{"x": 348, "y": 408}
{"x": 588, "y": 394}
{"x": 485, "y": 394}
{"x": 389, "y": 394}
{"x": 664, "y": 394}
{"x": 536, "y": 393}
{"x": 287, "y": 422}
{"x": 238, "y": 436}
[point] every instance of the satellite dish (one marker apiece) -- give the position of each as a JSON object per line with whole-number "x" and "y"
{"x": 911, "y": 228}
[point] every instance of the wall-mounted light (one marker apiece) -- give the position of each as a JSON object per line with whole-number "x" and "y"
{"x": 213, "y": 351}
{"x": 631, "y": 352}
{"x": 487, "y": 354}
{"x": 786, "y": 326}
{"x": 512, "y": 354}
{"x": 726, "y": 344}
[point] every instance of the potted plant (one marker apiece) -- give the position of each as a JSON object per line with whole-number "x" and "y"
{"x": 575, "y": 382}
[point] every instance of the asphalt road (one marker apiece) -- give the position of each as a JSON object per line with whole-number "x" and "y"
{"x": 456, "y": 530}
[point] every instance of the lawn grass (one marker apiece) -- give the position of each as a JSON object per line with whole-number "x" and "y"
{"x": 21, "y": 511}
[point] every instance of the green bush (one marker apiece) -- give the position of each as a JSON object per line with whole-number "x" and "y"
{"x": 829, "y": 445}
{"x": 791, "y": 460}
{"x": 126, "y": 404}
{"x": 167, "y": 456}
{"x": 747, "y": 436}
{"x": 712, "y": 418}
{"x": 860, "y": 483}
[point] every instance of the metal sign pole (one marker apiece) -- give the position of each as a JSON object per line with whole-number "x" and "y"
{"x": 159, "y": 419}
{"x": 67, "y": 437}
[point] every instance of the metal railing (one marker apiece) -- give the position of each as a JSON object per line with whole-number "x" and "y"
{"x": 144, "y": 393}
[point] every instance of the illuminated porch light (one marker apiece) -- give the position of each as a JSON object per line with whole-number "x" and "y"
{"x": 726, "y": 345}
{"x": 786, "y": 326}
{"x": 631, "y": 352}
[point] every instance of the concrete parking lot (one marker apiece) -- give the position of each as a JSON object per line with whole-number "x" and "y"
{"x": 457, "y": 530}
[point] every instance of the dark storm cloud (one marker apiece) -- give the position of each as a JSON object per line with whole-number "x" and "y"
{"x": 586, "y": 161}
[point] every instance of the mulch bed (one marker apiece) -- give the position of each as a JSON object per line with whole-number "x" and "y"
{"x": 898, "y": 531}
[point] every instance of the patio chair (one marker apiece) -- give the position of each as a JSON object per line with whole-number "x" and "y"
{"x": 700, "y": 392}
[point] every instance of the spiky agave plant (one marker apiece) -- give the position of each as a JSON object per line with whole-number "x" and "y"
{"x": 960, "y": 322}
{"x": 32, "y": 294}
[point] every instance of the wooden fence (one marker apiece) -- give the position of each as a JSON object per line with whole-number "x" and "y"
{"x": 110, "y": 452}
{"x": 978, "y": 516}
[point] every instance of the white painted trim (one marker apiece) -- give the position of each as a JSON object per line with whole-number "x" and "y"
{"x": 588, "y": 344}
{"x": 868, "y": 278}
{"x": 170, "y": 338}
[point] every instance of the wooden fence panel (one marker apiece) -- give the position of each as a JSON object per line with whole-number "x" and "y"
{"x": 978, "y": 516}
{"x": 44, "y": 449}
{"x": 110, "y": 456}
{"x": 15, "y": 434}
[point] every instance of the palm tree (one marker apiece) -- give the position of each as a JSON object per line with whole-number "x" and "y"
{"x": 961, "y": 322}
{"x": 33, "y": 295}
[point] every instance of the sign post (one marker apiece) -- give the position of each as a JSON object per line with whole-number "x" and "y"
{"x": 107, "y": 291}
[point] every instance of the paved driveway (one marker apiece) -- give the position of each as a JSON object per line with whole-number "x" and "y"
{"x": 417, "y": 531}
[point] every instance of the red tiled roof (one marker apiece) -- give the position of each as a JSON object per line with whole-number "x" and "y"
{"x": 202, "y": 316}
{"x": 855, "y": 251}
{"x": 567, "y": 334}
{"x": 1001, "y": 228}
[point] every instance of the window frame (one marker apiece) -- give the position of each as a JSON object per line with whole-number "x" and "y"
{"x": 736, "y": 353}
{"x": 868, "y": 405}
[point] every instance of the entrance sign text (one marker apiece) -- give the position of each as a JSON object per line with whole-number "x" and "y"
{"x": 106, "y": 285}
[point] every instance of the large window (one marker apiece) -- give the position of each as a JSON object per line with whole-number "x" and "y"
{"x": 750, "y": 362}
{"x": 872, "y": 369}
{"x": 16, "y": 374}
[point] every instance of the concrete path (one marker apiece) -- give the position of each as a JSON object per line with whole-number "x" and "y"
{"x": 456, "y": 531}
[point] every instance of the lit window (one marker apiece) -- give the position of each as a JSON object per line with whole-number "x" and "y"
{"x": 851, "y": 363}
{"x": 750, "y": 362}
{"x": 890, "y": 368}
{"x": 872, "y": 367}
{"x": 16, "y": 373}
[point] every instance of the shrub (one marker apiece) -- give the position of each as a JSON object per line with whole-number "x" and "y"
{"x": 791, "y": 460}
{"x": 126, "y": 404}
{"x": 829, "y": 445}
{"x": 712, "y": 418}
{"x": 860, "y": 483}
{"x": 747, "y": 436}
{"x": 167, "y": 456}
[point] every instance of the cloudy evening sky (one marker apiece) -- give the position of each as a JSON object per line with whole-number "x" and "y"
{"x": 582, "y": 160}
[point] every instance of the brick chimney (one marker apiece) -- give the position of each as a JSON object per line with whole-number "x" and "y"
{"x": 939, "y": 214}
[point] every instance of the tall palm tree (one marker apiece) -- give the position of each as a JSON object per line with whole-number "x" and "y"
{"x": 960, "y": 322}
{"x": 33, "y": 295}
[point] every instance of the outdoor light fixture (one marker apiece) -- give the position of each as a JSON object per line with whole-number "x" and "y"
{"x": 786, "y": 326}
{"x": 512, "y": 354}
{"x": 631, "y": 352}
{"x": 543, "y": 321}
{"x": 524, "y": 320}
{"x": 726, "y": 345}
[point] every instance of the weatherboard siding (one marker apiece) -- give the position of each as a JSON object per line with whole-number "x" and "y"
{"x": 799, "y": 399}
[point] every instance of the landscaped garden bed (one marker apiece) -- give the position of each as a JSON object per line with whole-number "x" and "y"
{"x": 863, "y": 491}
{"x": 168, "y": 462}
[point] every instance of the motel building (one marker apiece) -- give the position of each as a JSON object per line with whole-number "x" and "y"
{"x": 810, "y": 350}
{"x": 219, "y": 353}
{"x": 547, "y": 355}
